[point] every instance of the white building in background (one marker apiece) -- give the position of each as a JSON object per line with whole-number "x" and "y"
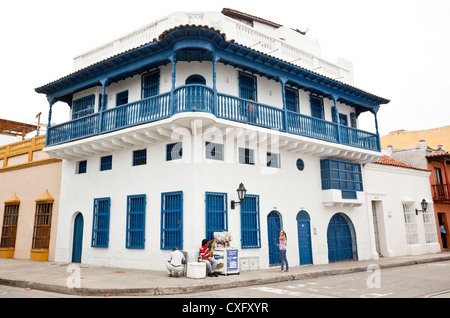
{"x": 394, "y": 192}
{"x": 167, "y": 121}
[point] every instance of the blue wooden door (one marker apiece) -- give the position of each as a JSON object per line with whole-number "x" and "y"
{"x": 304, "y": 238}
{"x": 274, "y": 228}
{"x": 341, "y": 242}
{"x": 77, "y": 238}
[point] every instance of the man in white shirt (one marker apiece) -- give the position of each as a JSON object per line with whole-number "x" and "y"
{"x": 175, "y": 262}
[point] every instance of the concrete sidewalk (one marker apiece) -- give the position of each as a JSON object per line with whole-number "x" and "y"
{"x": 101, "y": 281}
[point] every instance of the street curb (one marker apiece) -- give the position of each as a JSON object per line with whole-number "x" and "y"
{"x": 168, "y": 291}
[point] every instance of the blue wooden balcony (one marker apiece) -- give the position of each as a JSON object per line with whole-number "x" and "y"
{"x": 202, "y": 98}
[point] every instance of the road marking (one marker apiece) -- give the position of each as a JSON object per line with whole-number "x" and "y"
{"x": 375, "y": 295}
{"x": 276, "y": 291}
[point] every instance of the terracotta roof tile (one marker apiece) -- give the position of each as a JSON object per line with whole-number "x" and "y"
{"x": 438, "y": 153}
{"x": 388, "y": 161}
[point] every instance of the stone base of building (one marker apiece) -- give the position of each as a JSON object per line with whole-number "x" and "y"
{"x": 39, "y": 255}
{"x": 7, "y": 252}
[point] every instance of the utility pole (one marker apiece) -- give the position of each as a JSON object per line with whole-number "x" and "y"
{"x": 38, "y": 116}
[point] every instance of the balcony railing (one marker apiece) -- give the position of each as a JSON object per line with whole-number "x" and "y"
{"x": 202, "y": 98}
{"x": 441, "y": 192}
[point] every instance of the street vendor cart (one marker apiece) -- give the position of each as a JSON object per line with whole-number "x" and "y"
{"x": 227, "y": 257}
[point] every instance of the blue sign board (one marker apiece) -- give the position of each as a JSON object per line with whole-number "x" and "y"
{"x": 232, "y": 260}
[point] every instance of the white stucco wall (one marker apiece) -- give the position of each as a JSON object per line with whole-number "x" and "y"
{"x": 389, "y": 187}
{"x": 285, "y": 189}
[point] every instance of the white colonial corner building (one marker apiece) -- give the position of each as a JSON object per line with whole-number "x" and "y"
{"x": 167, "y": 121}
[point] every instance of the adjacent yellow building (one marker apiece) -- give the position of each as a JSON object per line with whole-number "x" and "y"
{"x": 29, "y": 198}
{"x": 404, "y": 139}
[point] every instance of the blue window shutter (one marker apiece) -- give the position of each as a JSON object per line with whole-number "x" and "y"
{"x": 174, "y": 151}
{"x": 136, "y": 221}
{"x": 140, "y": 157}
{"x": 105, "y": 163}
{"x": 250, "y": 223}
{"x": 122, "y": 98}
{"x": 216, "y": 213}
{"x": 292, "y": 101}
{"x": 317, "y": 107}
{"x": 83, "y": 107}
{"x": 341, "y": 175}
{"x": 150, "y": 84}
{"x": 100, "y": 224}
{"x": 247, "y": 86}
{"x": 246, "y": 156}
{"x": 172, "y": 220}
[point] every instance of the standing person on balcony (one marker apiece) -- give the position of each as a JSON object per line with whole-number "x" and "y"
{"x": 251, "y": 111}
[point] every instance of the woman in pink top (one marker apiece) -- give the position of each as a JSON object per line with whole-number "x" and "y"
{"x": 282, "y": 246}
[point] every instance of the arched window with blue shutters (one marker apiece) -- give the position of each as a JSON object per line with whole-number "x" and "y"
{"x": 136, "y": 221}
{"x": 216, "y": 213}
{"x": 172, "y": 220}
{"x": 250, "y": 223}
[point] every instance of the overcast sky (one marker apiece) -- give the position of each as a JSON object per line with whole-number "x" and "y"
{"x": 400, "y": 48}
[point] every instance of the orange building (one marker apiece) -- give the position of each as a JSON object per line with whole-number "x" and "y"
{"x": 29, "y": 198}
{"x": 403, "y": 138}
{"x": 439, "y": 164}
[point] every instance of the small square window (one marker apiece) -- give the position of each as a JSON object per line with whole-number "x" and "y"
{"x": 214, "y": 151}
{"x": 174, "y": 151}
{"x": 273, "y": 160}
{"x": 122, "y": 98}
{"x": 106, "y": 163}
{"x": 81, "y": 167}
{"x": 140, "y": 157}
{"x": 246, "y": 156}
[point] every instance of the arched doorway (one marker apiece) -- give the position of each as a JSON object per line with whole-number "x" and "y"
{"x": 341, "y": 238}
{"x": 304, "y": 238}
{"x": 274, "y": 227}
{"x": 77, "y": 238}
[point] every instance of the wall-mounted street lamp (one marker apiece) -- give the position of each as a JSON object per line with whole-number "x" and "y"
{"x": 241, "y": 191}
{"x": 424, "y": 205}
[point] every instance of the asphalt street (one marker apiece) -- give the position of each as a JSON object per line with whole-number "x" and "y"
{"x": 430, "y": 280}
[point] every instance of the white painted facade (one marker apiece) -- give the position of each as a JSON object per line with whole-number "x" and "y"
{"x": 284, "y": 189}
{"x": 390, "y": 191}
